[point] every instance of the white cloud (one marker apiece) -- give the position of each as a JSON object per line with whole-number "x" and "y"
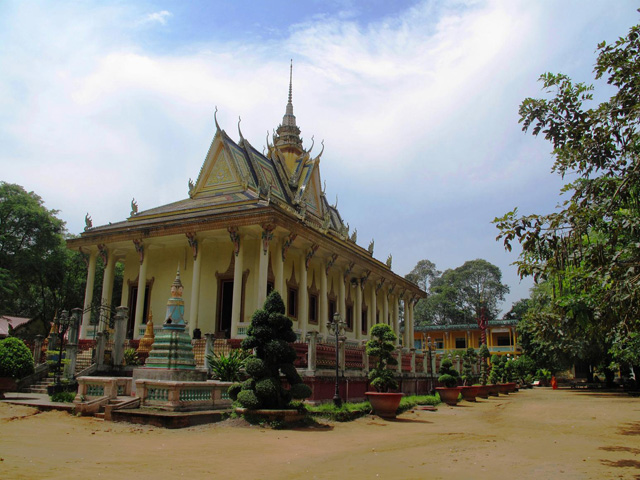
{"x": 418, "y": 112}
{"x": 157, "y": 17}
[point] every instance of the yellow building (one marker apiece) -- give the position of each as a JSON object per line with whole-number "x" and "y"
{"x": 502, "y": 337}
{"x": 251, "y": 223}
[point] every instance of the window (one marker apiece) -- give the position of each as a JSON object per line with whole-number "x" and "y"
{"x": 313, "y": 309}
{"x": 439, "y": 342}
{"x": 292, "y": 303}
{"x": 363, "y": 321}
{"x": 349, "y": 318}
{"x": 461, "y": 342}
{"x": 504, "y": 341}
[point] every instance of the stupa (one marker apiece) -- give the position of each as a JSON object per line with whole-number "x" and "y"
{"x": 171, "y": 356}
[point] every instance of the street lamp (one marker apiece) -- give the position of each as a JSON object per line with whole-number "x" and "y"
{"x": 429, "y": 370}
{"x": 337, "y": 327}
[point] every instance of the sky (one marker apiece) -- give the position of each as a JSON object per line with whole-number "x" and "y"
{"x": 416, "y": 101}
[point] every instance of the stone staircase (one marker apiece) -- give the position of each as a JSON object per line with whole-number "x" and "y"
{"x": 83, "y": 360}
{"x": 41, "y": 386}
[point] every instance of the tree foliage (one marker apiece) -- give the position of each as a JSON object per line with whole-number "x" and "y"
{"x": 381, "y": 346}
{"x": 270, "y": 335}
{"x": 458, "y": 295}
{"x": 39, "y": 276}
{"x": 589, "y": 248}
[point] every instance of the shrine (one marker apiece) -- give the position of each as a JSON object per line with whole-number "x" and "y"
{"x": 252, "y": 222}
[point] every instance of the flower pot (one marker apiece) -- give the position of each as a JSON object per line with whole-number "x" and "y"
{"x": 449, "y": 395}
{"x": 469, "y": 393}
{"x": 483, "y": 391}
{"x": 384, "y": 404}
{"x": 494, "y": 390}
{"x": 504, "y": 388}
{"x": 7, "y": 384}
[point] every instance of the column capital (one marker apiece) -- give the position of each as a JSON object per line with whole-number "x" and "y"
{"x": 287, "y": 244}
{"x": 234, "y": 235}
{"x": 139, "y": 246}
{"x": 267, "y": 236}
{"x": 310, "y": 254}
{"x": 330, "y": 262}
{"x": 193, "y": 243}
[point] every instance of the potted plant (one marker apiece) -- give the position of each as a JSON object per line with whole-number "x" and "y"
{"x": 381, "y": 346}
{"x": 15, "y": 362}
{"x": 449, "y": 378}
{"x": 495, "y": 376}
{"x": 468, "y": 390}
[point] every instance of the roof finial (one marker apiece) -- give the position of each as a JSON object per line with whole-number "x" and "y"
{"x": 215, "y": 118}
{"x": 240, "y": 131}
{"x": 290, "y": 79}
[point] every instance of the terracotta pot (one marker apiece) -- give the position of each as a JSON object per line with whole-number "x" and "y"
{"x": 449, "y": 395}
{"x": 469, "y": 393}
{"x": 384, "y": 404}
{"x": 494, "y": 390}
{"x": 7, "y": 384}
{"x": 513, "y": 387}
{"x": 504, "y": 388}
{"x": 483, "y": 391}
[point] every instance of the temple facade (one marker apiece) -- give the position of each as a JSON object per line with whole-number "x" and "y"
{"x": 251, "y": 223}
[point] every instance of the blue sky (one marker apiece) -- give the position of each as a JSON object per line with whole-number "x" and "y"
{"x": 416, "y": 101}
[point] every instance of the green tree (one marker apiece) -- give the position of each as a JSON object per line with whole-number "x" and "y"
{"x": 458, "y": 295}
{"x": 423, "y": 274}
{"x": 38, "y": 275}
{"x": 593, "y": 239}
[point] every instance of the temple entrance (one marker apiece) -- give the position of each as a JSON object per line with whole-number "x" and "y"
{"x": 133, "y": 299}
{"x": 224, "y": 311}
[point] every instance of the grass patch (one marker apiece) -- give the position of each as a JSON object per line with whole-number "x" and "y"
{"x": 350, "y": 411}
{"x": 66, "y": 397}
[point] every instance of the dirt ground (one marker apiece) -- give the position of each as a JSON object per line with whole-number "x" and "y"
{"x": 540, "y": 433}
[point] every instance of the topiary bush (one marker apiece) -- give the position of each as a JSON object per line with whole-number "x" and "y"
{"x": 484, "y": 354}
{"x": 448, "y": 375}
{"x": 381, "y": 346}
{"x": 15, "y": 358}
{"x": 469, "y": 359}
{"x": 497, "y": 369}
{"x": 270, "y": 335}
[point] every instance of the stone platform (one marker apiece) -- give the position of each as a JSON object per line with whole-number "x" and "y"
{"x": 164, "y": 419}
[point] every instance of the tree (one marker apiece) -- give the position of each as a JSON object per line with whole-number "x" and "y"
{"x": 592, "y": 241}
{"x": 381, "y": 346}
{"x": 270, "y": 335}
{"x": 459, "y": 295}
{"x": 38, "y": 275}
{"x": 423, "y": 274}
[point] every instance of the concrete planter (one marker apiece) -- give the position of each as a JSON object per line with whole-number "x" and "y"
{"x": 384, "y": 404}
{"x": 7, "y": 384}
{"x": 449, "y": 395}
{"x": 469, "y": 393}
{"x": 483, "y": 391}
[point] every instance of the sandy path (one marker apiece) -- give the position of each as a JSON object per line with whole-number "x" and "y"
{"x": 539, "y": 434}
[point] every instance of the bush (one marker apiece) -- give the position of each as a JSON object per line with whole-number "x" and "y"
{"x": 227, "y": 368}
{"x": 66, "y": 397}
{"x": 233, "y": 391}
{"x": 448, "y": 375}
{"x": 381, "y": 346}
{"x": 15, "y": 359}
{"x": 270, "y": 334}
{"x": 131, "y": 357}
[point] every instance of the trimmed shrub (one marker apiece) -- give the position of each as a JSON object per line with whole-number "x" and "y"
{"x": 270, "y": 335}
{"x": 448, "y": 375}
{"x": 381, "y": 346}
{"x": 233, "y": 391}
{"x": 15, "y": 359}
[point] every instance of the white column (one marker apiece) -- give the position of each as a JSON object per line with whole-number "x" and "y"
{"x": 107, "y": 280}
{"x": 342, "y": 307}
{"x": 385, "y": 307}
{"x": 263, "y": 267}
{"x": 88, "y": 293}
{"x": 396, "y": 316}
{"x": 303, "y": 297}
{"x": 142, "y": 290}
{"x": 236, "y": 308}
{"x": 323, "y": 313}
{"x": 194, "y": 306}
{"x": 357, "y": 328}
{"x": 374, "y": 305}
{"x": 278, "y": 269}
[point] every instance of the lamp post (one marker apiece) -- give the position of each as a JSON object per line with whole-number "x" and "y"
{"x": 429, "y": 370}
{"x": 63, "y": 322}
{"x": 337, "y": 327}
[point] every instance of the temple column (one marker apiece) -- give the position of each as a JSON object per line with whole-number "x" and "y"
{"x": 323, "y": 313}
{"x": 142, "y": 289}
{"x": 263, "y": 265}
{"x": 107, "y": 280}
{"x": 357, "y": 328}
{"x": 88, "y": 293}
{"x": 303, "y": 297}
{"x": 411, "y": 326}
{"x": 278, "y": 269}
{"x": 342, "y": 307}
{"x": 396, "y": 317}
{"x": 194, "y": 306}
{"x": 236, "y": 308}
{"x": 385, "y": 308}
{"x": 373, "y": 306}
